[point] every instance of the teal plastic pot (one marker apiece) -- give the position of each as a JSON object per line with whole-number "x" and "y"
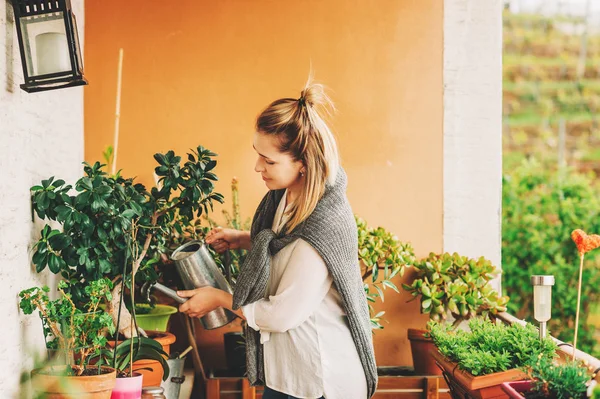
{"x": 157, "y": 319}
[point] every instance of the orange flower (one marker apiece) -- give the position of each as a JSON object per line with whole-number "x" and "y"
{"x": 585, "y": 243}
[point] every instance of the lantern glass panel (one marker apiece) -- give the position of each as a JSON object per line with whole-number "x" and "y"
{"x": 46, "y": 45}
{"x": 542, "y": 302}
{"x": 77, "y": 46}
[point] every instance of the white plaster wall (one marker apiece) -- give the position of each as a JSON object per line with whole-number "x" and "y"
{"x": 41, "y": 135}
{"x": 473, "y": 128}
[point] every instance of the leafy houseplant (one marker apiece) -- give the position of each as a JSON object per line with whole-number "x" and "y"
{"x": 456, "y": 285}
{"x": 488, "y": 355}
{"x": 123, "y": 358}
{"x": 97, "y": 219}
{"x": 67, "y": 329}
{"x": 77, "y": 334}
{"x": 382, "y": 256}
{"x": 131, "y": 350}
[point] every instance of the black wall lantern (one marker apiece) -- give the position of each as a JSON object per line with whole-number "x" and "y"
{"x": 49, "y": 44}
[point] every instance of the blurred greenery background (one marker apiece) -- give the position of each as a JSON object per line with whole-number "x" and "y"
{"x": 551, "y": 151}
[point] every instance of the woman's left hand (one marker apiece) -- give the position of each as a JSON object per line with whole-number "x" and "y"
{"x": 201, "y": 301}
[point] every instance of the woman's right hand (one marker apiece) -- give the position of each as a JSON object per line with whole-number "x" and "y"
{"x": 222, "y": 239}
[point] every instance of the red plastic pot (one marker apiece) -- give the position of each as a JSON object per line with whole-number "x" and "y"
{"x": 516, "y": 389}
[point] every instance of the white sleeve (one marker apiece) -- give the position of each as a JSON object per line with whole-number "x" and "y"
{"x": 303, "y": 286}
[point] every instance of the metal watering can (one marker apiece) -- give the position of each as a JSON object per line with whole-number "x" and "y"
{"x": 197, "y": 269}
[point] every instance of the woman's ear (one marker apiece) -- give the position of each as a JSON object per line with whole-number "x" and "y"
{"x": 303, "y": 169}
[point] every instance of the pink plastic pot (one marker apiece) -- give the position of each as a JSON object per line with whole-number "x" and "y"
{"x": 128, "y": 387}
{"x": 516, "y": 389}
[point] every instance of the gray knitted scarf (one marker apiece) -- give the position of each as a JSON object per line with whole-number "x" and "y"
{"x": 331, "y": 230}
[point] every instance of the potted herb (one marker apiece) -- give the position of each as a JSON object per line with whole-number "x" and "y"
{"x": 450, "y": 286}
{"x": 478, "y": 361}
{"x": 77, "y": 335}
{"x": 549, "y": 379}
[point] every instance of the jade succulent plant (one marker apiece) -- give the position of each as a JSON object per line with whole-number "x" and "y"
{"x": 451, "y": 284}
{"x": 382, "y": 257}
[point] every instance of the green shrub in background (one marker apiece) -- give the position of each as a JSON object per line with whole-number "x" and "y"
{"x": 540, "y": 208}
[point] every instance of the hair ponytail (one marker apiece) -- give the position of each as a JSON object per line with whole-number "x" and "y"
{"x": 300, "y": 126}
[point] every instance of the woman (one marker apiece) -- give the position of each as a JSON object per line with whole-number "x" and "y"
{"x": 300, "y": 288}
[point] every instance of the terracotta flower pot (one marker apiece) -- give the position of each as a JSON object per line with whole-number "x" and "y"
{"x": 56, "y": 386}
{"x": 153, "y": 377}
{"x": 462, "y": 383}
{"x": 421, "y": 349}
{"x": 128, "y": 387}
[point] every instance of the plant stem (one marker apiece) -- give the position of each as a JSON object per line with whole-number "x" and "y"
{"x": 114, "y": 365}
{"x": 578, "y": 303}
{"x": 52, "y": 326}
{"x": 71, "y": 340}
{"x": 139, "y": 259}
{"x": 133, "y": 270}
{"x": 237, "y": 219}
{"x": 158, "y": 214}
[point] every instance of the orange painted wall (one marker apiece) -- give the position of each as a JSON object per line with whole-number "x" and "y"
{"x": 198, "y": 72}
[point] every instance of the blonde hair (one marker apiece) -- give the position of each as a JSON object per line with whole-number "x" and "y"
{"x": 303, "y": 133}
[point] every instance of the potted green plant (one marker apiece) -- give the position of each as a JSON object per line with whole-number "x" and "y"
{"x": 144, "y": 354}
{"x": 76, "y": 335}
{"x": 97, "y": 219}
{"x": 450, "y": 286}
{"x": 382, "y": 257}
{"x": 550, "y": 379}
{"x": 105, "y": 212}
{"x": 123, "y": 358}
{"x": 477, "y": 361}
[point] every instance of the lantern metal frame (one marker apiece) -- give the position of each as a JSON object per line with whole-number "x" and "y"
{"x": 49, "y": 9}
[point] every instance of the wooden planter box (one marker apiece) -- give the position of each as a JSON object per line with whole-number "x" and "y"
{"x": 463, "y": 384}
{"x": 389, "y": 387}
{"x": 412, "y": 387}
{"x": 231, "y": 388}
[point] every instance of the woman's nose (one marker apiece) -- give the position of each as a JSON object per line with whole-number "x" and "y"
{"x": 258, "y": 167}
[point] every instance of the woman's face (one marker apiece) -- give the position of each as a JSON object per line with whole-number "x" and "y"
{"x": 278, "y": 170}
